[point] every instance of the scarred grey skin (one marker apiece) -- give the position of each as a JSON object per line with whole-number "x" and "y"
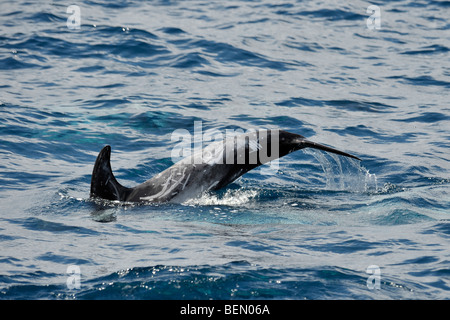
{"x": 213, "y": 168}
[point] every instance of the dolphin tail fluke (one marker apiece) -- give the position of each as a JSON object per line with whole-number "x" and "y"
{"x": 103, "y": 183}
{"x": 309, "y": 144}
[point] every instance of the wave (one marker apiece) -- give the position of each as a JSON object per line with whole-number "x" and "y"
{"x": 234, "y": 280}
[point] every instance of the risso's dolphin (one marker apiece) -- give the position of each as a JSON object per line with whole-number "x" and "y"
{"x": 212, "y": 168}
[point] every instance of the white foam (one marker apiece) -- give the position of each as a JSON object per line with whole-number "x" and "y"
{"x": 229, "y": 198}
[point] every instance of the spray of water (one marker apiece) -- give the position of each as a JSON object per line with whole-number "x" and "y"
{"x": 344, "y": 174}
{"x": 232, "y": 197}
{"x": 341, "y": 173}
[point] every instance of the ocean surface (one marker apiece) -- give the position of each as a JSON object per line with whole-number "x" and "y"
{"x": 373, "y": 83}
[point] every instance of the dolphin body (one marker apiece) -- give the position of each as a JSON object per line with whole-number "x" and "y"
{"x": 212, "y": 168}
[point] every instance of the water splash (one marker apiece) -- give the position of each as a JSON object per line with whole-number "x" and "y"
{"x": 232, "y": 197}
{"x": 345, "y": 174}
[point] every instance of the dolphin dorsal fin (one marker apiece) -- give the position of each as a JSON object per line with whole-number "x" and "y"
{"x": 103, "y": 183}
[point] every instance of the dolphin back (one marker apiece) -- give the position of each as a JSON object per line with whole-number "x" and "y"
{"x": 213, "y": 168}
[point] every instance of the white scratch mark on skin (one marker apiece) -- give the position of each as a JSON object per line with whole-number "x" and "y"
{"x": 187, "y": 179}
{"x": 167, "y": 188}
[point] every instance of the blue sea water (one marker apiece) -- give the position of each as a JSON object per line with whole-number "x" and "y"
{"x": 136, "y": 71}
